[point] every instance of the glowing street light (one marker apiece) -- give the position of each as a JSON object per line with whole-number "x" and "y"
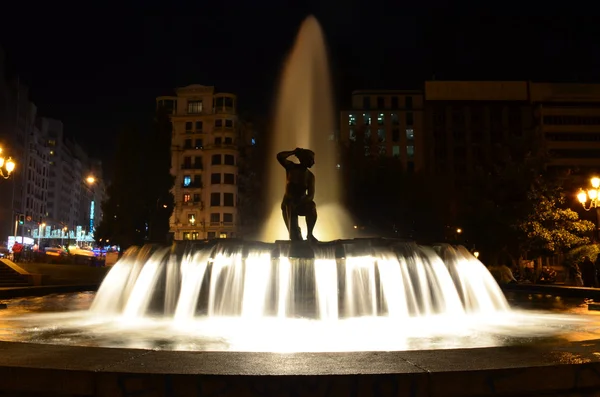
{"x": 42, "y": 226}
{"x": 90, "y": 180}
{"x": 6, "y": 164}
{"x": 591, "y": 195}
{"x": 476, "y": 254}
{"x": 459, "y": 230}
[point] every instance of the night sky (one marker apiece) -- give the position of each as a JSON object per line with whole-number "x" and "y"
{"x": 99, "y": 69}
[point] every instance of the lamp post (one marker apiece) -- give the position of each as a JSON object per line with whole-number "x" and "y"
{"x": 7, "y": 166}
{"x": 591, "y": 196}
{"x": 62, "y": 236}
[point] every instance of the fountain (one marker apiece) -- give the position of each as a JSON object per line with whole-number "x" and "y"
{"x": 360, "y": 309}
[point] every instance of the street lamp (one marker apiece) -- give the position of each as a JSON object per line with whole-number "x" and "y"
{"x": 8, "y": 165}
{"x": 593, "y": 196}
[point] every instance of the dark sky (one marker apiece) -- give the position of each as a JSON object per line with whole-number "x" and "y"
{"x": 98, "y": 69}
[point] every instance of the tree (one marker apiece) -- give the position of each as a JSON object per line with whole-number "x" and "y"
{"x": 139, "y": 201}
{"x": 550, "y": 228}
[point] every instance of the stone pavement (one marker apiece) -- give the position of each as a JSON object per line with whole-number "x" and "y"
{"x": 558, "y": 370}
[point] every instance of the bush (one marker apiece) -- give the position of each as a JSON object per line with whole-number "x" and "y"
{"x": 576, "y": 254}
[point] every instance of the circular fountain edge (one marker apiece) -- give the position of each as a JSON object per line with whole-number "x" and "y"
{"x": 88, "y": 371}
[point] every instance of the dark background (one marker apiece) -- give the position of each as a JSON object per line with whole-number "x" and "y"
{"x": 97, "y": 69}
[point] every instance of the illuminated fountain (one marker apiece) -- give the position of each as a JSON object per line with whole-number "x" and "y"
{"x": 342, "y": 295}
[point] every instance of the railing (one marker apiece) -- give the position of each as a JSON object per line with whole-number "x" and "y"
{"x": 224, "y": 109}
{"x": 192, "y": 185}
{"x": 191, "y": 166}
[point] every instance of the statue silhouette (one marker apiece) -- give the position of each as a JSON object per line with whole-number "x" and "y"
{"x": 299, "y": 192}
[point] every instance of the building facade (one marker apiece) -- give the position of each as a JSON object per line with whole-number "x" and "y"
{"x": 204, "y": 161}
{"x": 390, "y": 123}
{"x": 469, "y": 124}
{"x": 569, "y": 119}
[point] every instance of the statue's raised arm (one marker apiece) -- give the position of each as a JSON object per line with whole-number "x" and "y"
{"x": 282, "y": 157}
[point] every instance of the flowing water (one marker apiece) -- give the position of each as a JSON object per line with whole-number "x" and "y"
{"x": 305, "y": 118}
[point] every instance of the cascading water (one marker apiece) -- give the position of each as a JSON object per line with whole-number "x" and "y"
{"x": 304, "y": 118}
{"x": 335, "y": 281}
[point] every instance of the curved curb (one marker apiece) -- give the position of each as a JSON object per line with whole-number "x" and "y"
{"x": 570, "y": 369}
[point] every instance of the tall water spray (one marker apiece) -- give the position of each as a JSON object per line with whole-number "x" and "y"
{"x": 304, "y": 118}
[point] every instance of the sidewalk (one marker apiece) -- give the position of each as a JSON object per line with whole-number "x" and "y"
{"x": 60, "y": 274}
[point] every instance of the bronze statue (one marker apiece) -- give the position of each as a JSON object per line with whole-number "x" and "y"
{"x": 299, "y": 193}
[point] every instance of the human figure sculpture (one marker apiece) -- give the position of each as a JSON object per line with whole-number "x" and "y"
{"x": 299, "y": 193}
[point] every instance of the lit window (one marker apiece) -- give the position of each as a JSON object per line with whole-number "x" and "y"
{"x": 396, "y": 151}
{"x": 187, "y": 180}
{"x": 410, "y": 134}
{"x": 187, "y": 198}
{"x": 351, "y": 119}
{"x": 367, "y": 118}
{"x": 380, "y": 118}
{"x": 410, "y": 151}
{"x": 194, "y": 106}
{"x": 223, "y": 235}
{"x": 186, "y": 235}
{"x": 192, "y": 218}
{"x": 253, "y": 141}
{"x": 194, "y": 235}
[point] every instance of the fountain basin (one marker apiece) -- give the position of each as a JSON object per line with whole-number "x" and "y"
{"x": 558, "y": 369}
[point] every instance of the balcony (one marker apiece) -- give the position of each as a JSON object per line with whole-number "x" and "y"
{"x": 191, "y": 166}
{"x": 224, "y": 110}
{"x": 193, "y": 185}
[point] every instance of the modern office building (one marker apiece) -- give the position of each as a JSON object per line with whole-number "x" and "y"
{"x": 388, "y": 123}
{"x": 469, "y": 123}
{"x": 205, "y": 151}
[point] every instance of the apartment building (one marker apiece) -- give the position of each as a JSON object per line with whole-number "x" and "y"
{"x": 389, "y": 123}
{"x": 204, "y": 156}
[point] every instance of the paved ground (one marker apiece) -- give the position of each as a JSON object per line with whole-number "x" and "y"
{"x": 55, "y": 274}
{"x": 556, "y": 370}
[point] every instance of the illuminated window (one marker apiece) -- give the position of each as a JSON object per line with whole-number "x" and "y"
{"x": 223, "y": 235}
{"x": 194, "y": 235}
{"x": 194, "y": 107}
{"x": 192, "y": 218}
{"x": 187, "y": 198}
{"x": 253, "y": 141}
{"x": 351, "y": 119}
{"x": 396, "y": 151}
{"x": 186, "y": 235}
{"x": 380, "y": 119}
{"x": 187, "y": 180}
{"x": 410, "y": 151}
{"x": 410, "y": 134}
{"x": 367, "y": 118}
